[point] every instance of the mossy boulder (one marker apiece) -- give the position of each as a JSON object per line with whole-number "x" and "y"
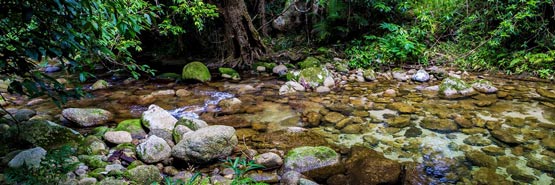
{"x": 452, "y": 88}
{"x": 48, "y": 134}
{"x": 145, "y": 174}
{"x": 196, "y": 71}
{"x": 229, "y": 73}
{"x": 206, "y": 144}
{"x": 192, "y": 123}
{"x": 169, "y": 76}
{"x": 369, "y": 74}
{"x": 100, "y": 131}
{"x": 317, "y": 162}
{"x": 309, "y": 62}
{"x": 93, "y": 145}
{"x": 341, "y": 67}
{"x": 132, "y": 126}
{"x": 313, "y": 76}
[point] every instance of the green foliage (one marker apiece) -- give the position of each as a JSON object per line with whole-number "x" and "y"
{"x": 240, "y": 167}
{"x": 196, "y": 179}
{"x": 399, "y": 45}
{"x": 53, "y": 169}
{"x": 180, "y": 11}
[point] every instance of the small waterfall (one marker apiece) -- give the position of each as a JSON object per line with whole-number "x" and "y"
{"x": 193, "y": 111}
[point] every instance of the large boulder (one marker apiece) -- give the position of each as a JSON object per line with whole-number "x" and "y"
{"x": 48, "y": 134}
{"x": 158, "y": 121}
{"x": 154, "y": 149}
{"x": 206, "y": 144}
{"x": 86, "y": 117}
{"x": 30, "y": 158}
{"x": 316, "y": 162}
{"x": 144, "y": 174}
{"x": 313, "y": 76}
{"x": 196, "y": 71}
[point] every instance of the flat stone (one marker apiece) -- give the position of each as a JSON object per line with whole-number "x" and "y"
{"x": 118, "y": 137}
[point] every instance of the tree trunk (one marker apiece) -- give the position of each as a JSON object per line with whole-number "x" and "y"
{"x": 263, "y": 22}
{"x": 243, "y": 43}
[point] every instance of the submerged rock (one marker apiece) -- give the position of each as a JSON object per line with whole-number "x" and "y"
{"x": 488, "y": 176}
{"x": 421, "y": 76}
{"x": 206, "y": 144}
{"x": 546, "y": 93}
{"x": 154, "y": 149}
{"x": 439, "y": 125}
{"x": 504, "y": 136}
{"x": 478, "y": 158}
{"x": 316, "y": 162}
{"x": 86, "y": 117}
{"x": 196, "y": 71}
{"x": 30, "y": 158}
{"x": 366, "y": 166}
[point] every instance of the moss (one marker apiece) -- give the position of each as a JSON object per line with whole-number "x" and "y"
{"x": 93, "y": 161}
{"x": 86, "y": 147}
{"x": 48, "y": 134}
{"x": 229, "y": 71}
{"x": 100, "y": 131}
{"x": 309, "y": 62}
{"x": 341, "y": 67}
{"x": 132, "y": 126}
{"x": 453, "y": 83}
{"x": 123, "y": 146}
{"x": 145, "y": 174}
{"x": 314, "y": 75}
{"x": 96, "y": 173}
{"x": 196, "y": 71}
{"x": 134, "y": 164}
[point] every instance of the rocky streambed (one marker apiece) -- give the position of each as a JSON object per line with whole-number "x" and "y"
{"x": 351, "y": 127}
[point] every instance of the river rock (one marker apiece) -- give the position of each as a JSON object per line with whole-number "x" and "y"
{"x": 93, "y": 146}
{"x": 290, "y": 178}
{"x": 313, "y": 76}
{"x": 118, "y": 137}
{"x": 280, "y": 69}
{"x": 291, "y": 87}
{"x": 517, "y": 173}
{"x": 229, "y": 73}
{"x": 446, "y": 169}
{"x": 133, "y": 126}
{"x": 439, "y": 125}
{"x": 400, "y": 75}
{"x": 366, "y": 166}
{"x": 30, "y": 157}
{"x": 87, "y": 181}
{"x": 156, "y": 118}
{"x": 543, "y": 163}
{"x": 206, "y": 144}
{"x": 333, "y": 117}
{"x": 48, "y": 134}
{"x": 484, "y": 86}
{"x": 260, "y": 68}
{"x": 192, "y": 123}
{"x": 402, "y": 107}
{"x": 154, "y": 149}
{"x": 183, "y": 93}
{"x": 399, "y": 121}
{"x": 263, "y": 177}
{"x": 421, "y": 76}
{"x": 369, "y": 74}
{"x": 144, "y": 174}
{"x": 230, "y": 105}
{"x": 549, "y": 143}
{"x": 179, "y": 131}
{"x": 269, "y": 160}
{"x": 22, "y": 115}
{"x": 329, "y": 82}
{"x": 161, "y": 93}
{"x": 196, "y": 71}
{"x": 504, "y": 136}
{"x": 477, "y": 140}
{"x": 323, "y": 89}
{"x": 546, "y": 93}
{"x": 478, "y": 158}
{"x": 452, "y": 88}
{"x": 316, "y": 162}
{"x": 86, "y": 117}
{"x": 100, "y": 84}
{"x": 488, "y": 176}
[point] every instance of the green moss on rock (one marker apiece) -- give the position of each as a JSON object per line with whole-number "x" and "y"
{"x": 453, "y": 83}
{"x": 314, "y": 76}
{"x": 196, "y": 71}
{"x": 48, "y": 134}
{"x": 145, "y": 174}
{"x": 93, "y": 161}
{"x": 169, "y": 76}
{"x": 132, "y": 126}
{"x": 309, "y": 62}
{"x": 229, "y": 72}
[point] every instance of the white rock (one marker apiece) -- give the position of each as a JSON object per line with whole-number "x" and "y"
{"x": 322, "y": 89}
{"x": 157, "y": 118}
{"x": 118, "y": 137}
{"x": 329, "y": 82}
{"x": 280, "y": 69}
{"x": 153, "y": 150}
{"x": 260, "y": 68}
